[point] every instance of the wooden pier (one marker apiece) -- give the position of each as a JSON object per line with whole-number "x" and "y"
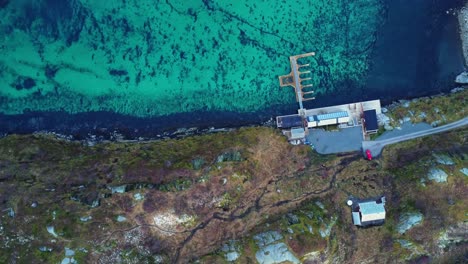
{"x": 295, "y": 80}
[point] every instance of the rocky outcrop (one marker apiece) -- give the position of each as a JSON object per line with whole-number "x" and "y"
{"x": 272, "y": 249}
{"x": 408, "y": 220}
{"x": 437, "y": 175}
{"x": 462, "y": 78}
{"x": 453, "y": 235}
{"x": 463, "y": 23}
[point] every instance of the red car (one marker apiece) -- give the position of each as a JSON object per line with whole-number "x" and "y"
{"x": 368, "y": 154}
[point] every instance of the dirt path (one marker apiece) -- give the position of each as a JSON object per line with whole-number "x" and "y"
{"x": 257, "y": 207}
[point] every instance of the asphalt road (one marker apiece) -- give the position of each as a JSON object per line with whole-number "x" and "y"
{"x": 376, "y": 146}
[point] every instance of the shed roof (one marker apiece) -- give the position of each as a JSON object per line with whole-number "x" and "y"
{"x": 371, "y": 208}
{"x": 297, "y": 133}
{"x": 356, "y": 218}
{"x": 371, "y": 120}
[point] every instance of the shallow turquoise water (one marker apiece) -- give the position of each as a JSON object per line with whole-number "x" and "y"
{"x": 194, "y": 63}
{"x": 147, "y": 58}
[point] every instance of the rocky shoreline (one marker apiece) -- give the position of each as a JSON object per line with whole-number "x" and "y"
{"x": 463, "y": 23}
{"x": 462, "y": 16}
{"x": 104, "y": 135}
{"x": 179, "y": 201}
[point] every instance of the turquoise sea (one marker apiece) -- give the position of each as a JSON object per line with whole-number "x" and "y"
{"x": 142, "y": 66}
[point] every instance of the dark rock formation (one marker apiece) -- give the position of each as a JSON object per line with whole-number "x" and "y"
{"x": 4, "y": 3}
{"x": 53, "y": 19}
{"x": 50, "y": 71}
{"x": 24, "y": 83}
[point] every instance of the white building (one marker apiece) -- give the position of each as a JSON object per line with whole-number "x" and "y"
{"x": 328, "y": 119}
{"x": 369, "y": 212}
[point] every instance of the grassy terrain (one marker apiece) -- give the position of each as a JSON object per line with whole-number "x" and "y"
{"x": 438, "y": 109}
{"x": 183, "y": 198}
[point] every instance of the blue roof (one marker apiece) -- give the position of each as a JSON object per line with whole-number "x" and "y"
{"x": 332, "y": 115}
{"x": 289, "y": 121}
{"x": 371, "y": 208}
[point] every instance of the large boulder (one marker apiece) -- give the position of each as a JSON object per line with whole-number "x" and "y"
{"x": 408, "y": 220}
{"x": 462, "y": 78}
{"x": 437, "y": 175}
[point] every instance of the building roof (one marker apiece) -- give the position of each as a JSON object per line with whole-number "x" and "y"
{"x": 289, "y": 121}
{"x": 331, "y": 115}
{"x": 370, "y": 116}
{"x": 297, "y": 133}
{"x": 371, "y": 208}
{"x": 372, "y": 211}
{"x": 356, "y": 218}
{"x": 369, "y": 212}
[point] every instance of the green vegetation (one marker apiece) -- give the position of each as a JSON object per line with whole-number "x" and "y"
{"x": 221, "y": 187}
{"x": 438, "y": 109}
{"x": 379, "y": 133}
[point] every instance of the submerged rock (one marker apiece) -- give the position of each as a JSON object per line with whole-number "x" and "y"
{"x": 408, "y": 220}
{"x": 437, "y": 175}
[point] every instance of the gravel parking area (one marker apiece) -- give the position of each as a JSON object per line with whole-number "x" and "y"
{"x": 345, "y": 140}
